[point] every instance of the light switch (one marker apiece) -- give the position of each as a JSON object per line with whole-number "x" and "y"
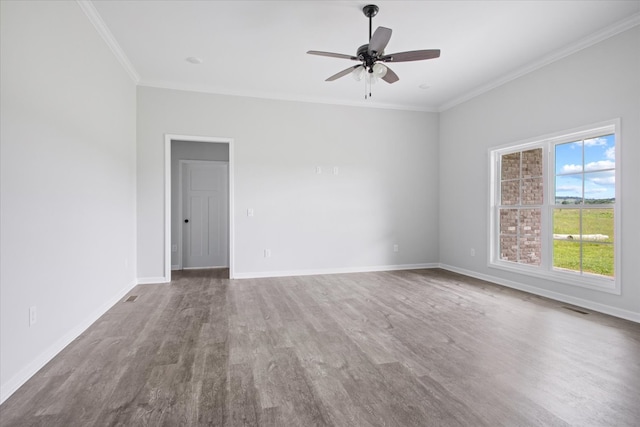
{"x": 318, "y": 170}
{"x": 33, "y": 315}
{"x": 249, "y": 212}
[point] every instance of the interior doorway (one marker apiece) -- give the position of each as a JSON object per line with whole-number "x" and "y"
{"x": 206, "y": 163}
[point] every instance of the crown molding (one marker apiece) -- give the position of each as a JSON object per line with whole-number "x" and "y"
{"x": 617, "y": 28}
{"x": 89, "y": 9}
{"x": 280, "y": 97}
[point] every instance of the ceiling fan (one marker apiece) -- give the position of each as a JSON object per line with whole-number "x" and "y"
{"x": 371, "y": 56}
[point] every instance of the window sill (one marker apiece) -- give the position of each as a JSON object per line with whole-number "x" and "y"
{"x": 593, "y": 282}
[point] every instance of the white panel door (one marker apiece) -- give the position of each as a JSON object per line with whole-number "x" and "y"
{"x": 205, "y": 214}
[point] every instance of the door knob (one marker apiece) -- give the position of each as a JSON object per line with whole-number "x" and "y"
{"x": 186, "y": 221}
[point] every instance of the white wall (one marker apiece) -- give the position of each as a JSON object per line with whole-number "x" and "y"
{"x": 67, "y": 181}
{"x": 386, "y": 191}
{"x": 188, "y": 150}
{"x": 595, "y": 84}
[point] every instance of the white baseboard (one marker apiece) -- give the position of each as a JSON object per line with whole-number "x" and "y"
{"x": 152, "y": 280}
{"x": 315, "y": 272}
{"x": 177, "y": 267}
{"x": 15, "y": 382}
{"x": 591, "y": 305}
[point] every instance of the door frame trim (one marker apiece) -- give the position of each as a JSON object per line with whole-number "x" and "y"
{"x": 168, "y": 138}
{"x": 180, "y": 195}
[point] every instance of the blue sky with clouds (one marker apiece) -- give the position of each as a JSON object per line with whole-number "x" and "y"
{"x": 596, "y": 158}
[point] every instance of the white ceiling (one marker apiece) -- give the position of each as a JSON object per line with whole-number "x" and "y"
{"x": 258, "y": 48}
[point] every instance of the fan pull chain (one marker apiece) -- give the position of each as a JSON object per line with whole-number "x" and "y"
{"x": 367, "y": 77}
{"x": 365, "y": 87}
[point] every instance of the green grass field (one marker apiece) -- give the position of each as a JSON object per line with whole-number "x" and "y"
{"x": 597, "y": 258}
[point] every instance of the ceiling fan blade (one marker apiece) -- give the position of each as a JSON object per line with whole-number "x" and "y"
{"x": 332, "y": 55}
{"x": 390, "y": 77}
{"x": 379, "y": 40}
{"x": 414, "y": 55}
{"x": 342, "y": 73}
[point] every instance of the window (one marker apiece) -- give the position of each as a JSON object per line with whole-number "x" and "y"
{"x": 554, "y": 207}
{"x": 520, "y": 209}
{"x": 583, "y": 213}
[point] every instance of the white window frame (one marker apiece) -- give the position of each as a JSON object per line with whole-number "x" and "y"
{"x": 546, "y": 270}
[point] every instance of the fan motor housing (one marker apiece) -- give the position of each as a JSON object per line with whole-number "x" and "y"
{"x": 363, "y": 55}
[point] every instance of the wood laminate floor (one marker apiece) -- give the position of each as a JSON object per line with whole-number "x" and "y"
{"x": 409, "y": 348}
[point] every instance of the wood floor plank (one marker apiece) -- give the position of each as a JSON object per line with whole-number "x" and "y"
{"x": 244, "y": 405}
{"x": 405, "y": 348}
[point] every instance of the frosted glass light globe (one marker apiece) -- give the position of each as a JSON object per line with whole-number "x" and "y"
{"x": 379, "y": 70}
{"x": 358, "y": 73}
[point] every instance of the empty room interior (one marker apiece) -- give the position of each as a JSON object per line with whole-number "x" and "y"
{"x": 301, "y": 213}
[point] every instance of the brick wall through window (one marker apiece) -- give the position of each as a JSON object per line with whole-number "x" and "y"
{"x": 521, "y": 197}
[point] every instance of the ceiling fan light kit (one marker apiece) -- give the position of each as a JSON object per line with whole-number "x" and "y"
{"x": 378, "y": 72}
{"x": 371, "y": 56}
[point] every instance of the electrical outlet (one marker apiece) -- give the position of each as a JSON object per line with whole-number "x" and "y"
{"x": 267, "y": 253}
{"x": 473, "y": 252}
{"x": 174, "y": 248}
{"x": 395, "y": 248}
{"x": 33, "y": 315}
